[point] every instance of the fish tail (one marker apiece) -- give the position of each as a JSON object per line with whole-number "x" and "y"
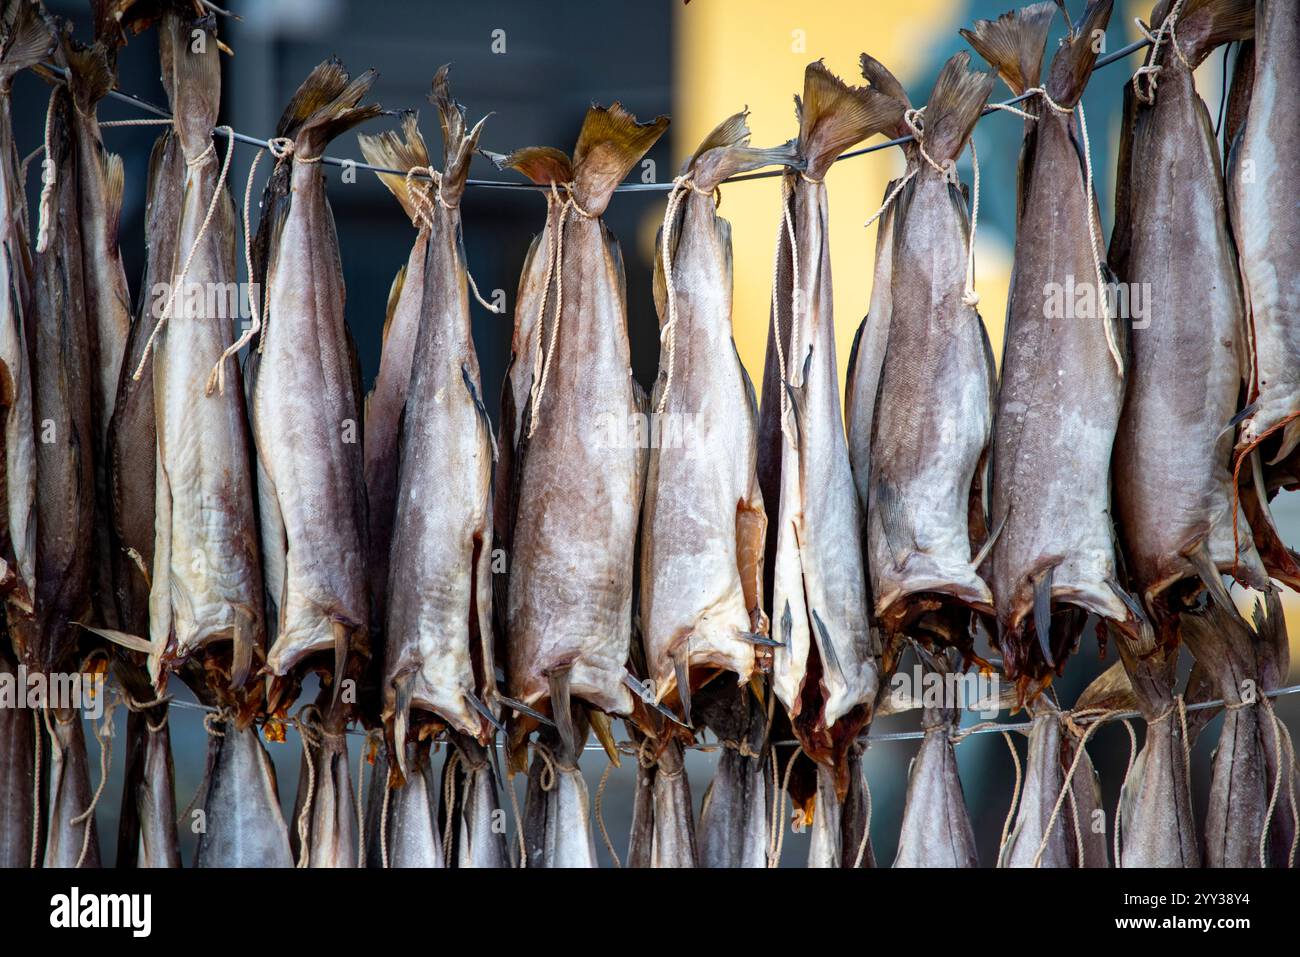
{"x": 192, "y": 79}
{"x": 401, "y": 151}
{"x": 1013, "y": 44}
{"x": 28, "y": 43}
{"x": 879, "y": 77}
{"x": 459, "y": 142}
{"x": 1073, "y": 63}
{"x": 834, "y": 116}
{"x": 726, "y": 152}
{"x": 325, "y": 106}
{"x": 90, "y": 72}
{"x": 612, "y": 141}
{"x": 955, "y": 105}
{"x": 543, "y": 165}
{"x": 1206, "y": 24}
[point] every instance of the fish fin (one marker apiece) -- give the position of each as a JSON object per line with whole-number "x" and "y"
{"x": 28, "y": 42}
{"x": 1014, "y": 43}
{"x": 827, "y": 648}
{"x": 879, "y": 77}
{"x": 325, "y": 106}
{"x": 394, "y": 295}
{"x": 543, "y": 165}
{"x": 754, "y": 638}
{"x": 522, "y": 708}
{"x": 682, "y": 670}
{"x": 404, "y": 694}
{"x": 562, "y": 710}
{"x": 609, "y": 145}
{"x": 90, "y": 72}
{"x": 604, "y": 731}
{"x": 1206, "y": 24}
{"x": 459, "y": 144}
{"x": 125, "y": 640}
{"x": 958, "y": 98}
{"x": 1121, "y": 236}
{"x": 242, "y": 645}
{"x": 404, "y": 151}
{"x": 893, "y": 518}
{"x": 114, "y": 188}
{"x": 1073, "y": 63}
{"x": 479, "y": 407}
{"x": 1111, "y": 690}
{"x": 1043, "y": 613}
{"x": 192, "y": 77}
{"x": 726, "y": 152}
{"x": 750, "y": 392}
{"x": 341, "y": 643}
{"x": 787, "y": 625}
{"x": 484, "y": 711}
{"x": 833, "y": 116}
{"x": 1199, "y": 557}
{"x": 989, "y": 542}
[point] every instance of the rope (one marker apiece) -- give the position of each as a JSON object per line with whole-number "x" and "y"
{"x": 668, "y": 334}
{"x": 1151, "y": 70}
{"x": 1280, "y": 734}
{"x": 383, "y": 824}
{"x": 49, "y": 176}
{"x": 191, "y": 163}
{"x": 423, "y": 216}
{"x": 600, "y": 817}
{"x": 893, "y": 193}
{"x": 373, "y": 737}
{"x": 786, "y": 227}
{"x": 519, "y": 822}
{"x": 1119, "y": 803}
{"x": 1080, "y": 750}
{"x": 866, "y": 830}
{"x": 554, "y": 268}
{"x": 103, "y": 735}
{"x": 778, "y": 839}
{"x": 1015, "y": 793}
{"x": 311, "y": 738}
{"x": 36, "y": 795}
{"x": 546, "y": 780}
{"x": 449, "y": 802}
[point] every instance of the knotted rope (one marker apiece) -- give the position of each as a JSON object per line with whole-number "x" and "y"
{"x": 421, "y": 194}
{"x": 49, "y": 176}
{"x": 682, "y": 186}
{"x": 600, "y": 817}
{"x": 1150, "y": 71}
{"x": 309, "y": 730}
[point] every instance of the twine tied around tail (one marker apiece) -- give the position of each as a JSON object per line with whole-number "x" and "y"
{"x": 1150, "y": 71}
{"x": 682, "y": 185}
{"x": 423, "y": 198}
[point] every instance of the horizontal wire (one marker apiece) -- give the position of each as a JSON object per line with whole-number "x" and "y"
{"x": 868, "y": 739}
{"x": 143, "y": 104}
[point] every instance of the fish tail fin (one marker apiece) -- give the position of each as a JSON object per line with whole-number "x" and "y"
{"x": 1206, "y": 24}
{"x": 192, "y": 79}
{"x": 1013, "y": 44}
{"x": 955, "y": 105}
{"x": 28, "y": 43}
{"x": 394, "y": 296}
{"x": 543, "y": 165}
{"x": 91, "y": 73}
{"x": 1073, "y": 63}
{"x": 879, "y": 77}
{"x": 404, "y": 151}
{"x": 726, "y": 152}
{"x": 326, "y": 106}
{"x": 834, "y": 116}
{"x": 458, "y": 142}
{"x": 114, "y": 189}
{"x": 611, "y": 142}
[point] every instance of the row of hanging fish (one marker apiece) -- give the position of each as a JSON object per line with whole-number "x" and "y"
{"x": 243, "y": 525}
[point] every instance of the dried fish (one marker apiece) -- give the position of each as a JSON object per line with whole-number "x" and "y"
{"x": 936, "y": 830}
{"x": 1175, "y": 499}
{"x": 402, "y": 815}
{"x": 71, "y": 838}
{"x": 1263, "y": 181}
{"x": 324, "y": 832}
{"x": 20, "y": 821}
{"x": 933, "y": 411}
{"x": 703, "y": 524}
{"x": 242, "y": 823}
{"x": 146, "y": 835}
{"x": 305, "y": 398}
{"x": 1062, "y": 377}
{"x": 479, "y": 822}
{"x": 557, "y": 808}
{"x": 438, "y": 654}
{"x": 735, "y": 817}
{"x": 826, "y": 672}
{"x": 841, "y": 824}
{"x": 570, "y": 591}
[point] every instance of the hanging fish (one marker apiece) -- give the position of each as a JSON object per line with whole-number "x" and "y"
{"x": 146, "y": 835}
{"x": 826, "y": 670}
{"x": 304, "y": 397}
{"x": 735, "y": 824}
{"x": 71, "y": 838}
{"x": 1175, "y": 499}
{"x": 402, "y": 814}
{"x": 663, "y": 829}
{"x": 568, "y": 615}
{"x": 557, "y": 808}
{"x": 841, "y": 824}
{"x": 703, "y": 524}
{"x": 25, "y": 42}
{"x": 478, "y": 821}
{"x": 438, "y": 655}
{"x": 1062, "y": 378}
{"x": 242, "y": 822}
{"x": 933, "y": 409}
{"x": 1263, "y": 181}
{"x": 936, "y": 829}
{"x": 20, "y": 811}
{"x": 323, "y": 831}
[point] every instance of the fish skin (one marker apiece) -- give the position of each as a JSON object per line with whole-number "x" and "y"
{"x": 1061, "y": 393}
{"x": 207, "y": 577}
{"x": 1263, "y": 181}
{"x": 641, "y": 840}
{"x": 839, "y": 838}
{"x": 703, "y": 524}
{"x": 27, "y": 42}
{"x": 413, "y": 836}
{"x": 147, "y": 835}
{"x": 574, "y": 536}
{"x": 735, "y": 826}
{"x": 18, "y": 785}
{"x": 311, "y": 489}
{"x": 1157, "y": 827}
{"x": 817, "y": 570}
{"x": 933, "y": 410}
{"x": 557, "y": 821}
{"x": 439, "y": 603}
{"x": 241, "y": 808}
{"x": 674, "y": 827}
{"x": 62, "y": 388}
{"x": 936, "y": 829}
{"x": 479, "y": 843}
{"x": 1189, "y": 364}
{"x": 326, "y": 805}
{"x": 1044, "y": 779}
{"x": 70, "y": 794}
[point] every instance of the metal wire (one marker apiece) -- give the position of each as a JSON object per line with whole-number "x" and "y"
{"x": 143, "y": 104}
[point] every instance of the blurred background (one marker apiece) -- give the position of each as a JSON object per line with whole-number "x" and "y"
{"x": 536, "y": 68}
